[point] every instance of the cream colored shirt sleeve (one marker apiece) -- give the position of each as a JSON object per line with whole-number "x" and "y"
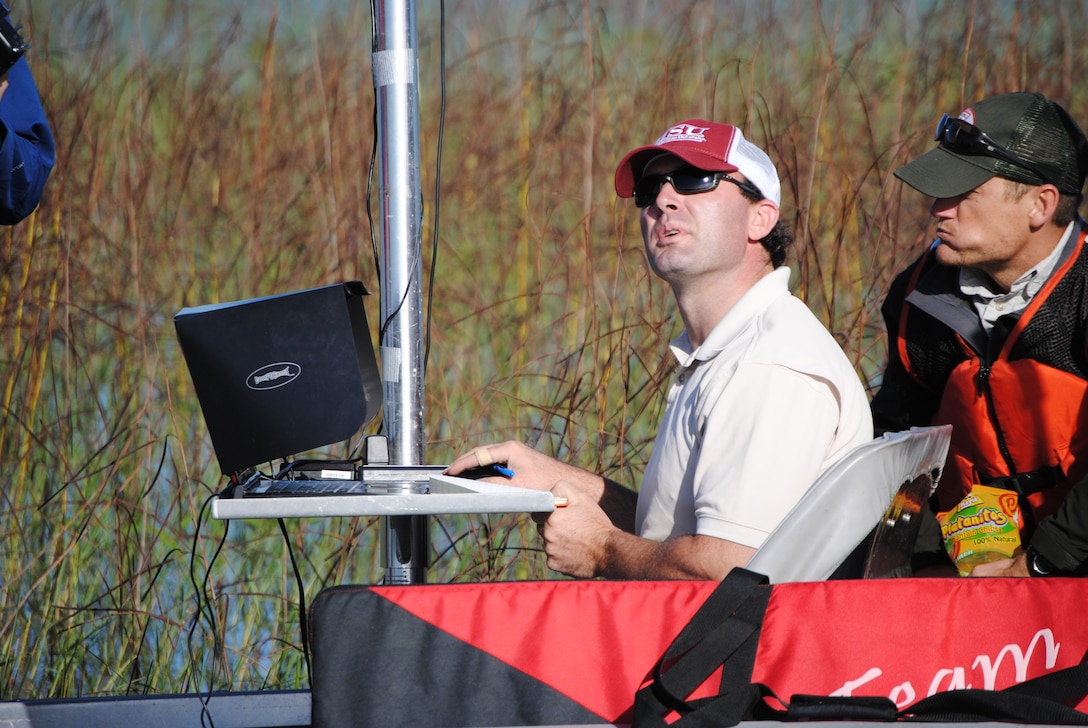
{"x": 764, "y": 442}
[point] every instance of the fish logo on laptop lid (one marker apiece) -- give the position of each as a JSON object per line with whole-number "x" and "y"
{"x": 281, "y": 375}
{"x": 275, "y": 375}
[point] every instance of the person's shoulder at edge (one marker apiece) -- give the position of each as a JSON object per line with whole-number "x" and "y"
{"x": 791, "y": 334}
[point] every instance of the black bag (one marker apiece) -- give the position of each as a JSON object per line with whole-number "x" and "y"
{"x": 378, "y": 662}
{"x": 725, "y": 633}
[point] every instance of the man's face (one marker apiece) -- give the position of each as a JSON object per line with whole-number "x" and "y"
{"x": 690, "y": 236}
{"x": 985, "y": 229}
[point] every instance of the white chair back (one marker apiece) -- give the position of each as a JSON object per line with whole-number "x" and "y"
{"x": 848, "y": 500}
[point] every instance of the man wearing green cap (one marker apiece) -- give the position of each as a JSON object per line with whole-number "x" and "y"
{"x": 988, "y": 330}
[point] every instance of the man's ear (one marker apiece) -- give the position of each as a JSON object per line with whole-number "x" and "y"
{"x": 763, "y": 218}
{"x": 1045, "y": 200}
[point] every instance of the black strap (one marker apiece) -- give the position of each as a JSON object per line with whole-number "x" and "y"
{"x": 1042, "y": 700}
{"x": 831, "y": 708}
{"x": 1024, "y": 484}
{"x": 723, "y": 632}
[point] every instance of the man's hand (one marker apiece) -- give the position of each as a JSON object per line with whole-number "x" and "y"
{"x": 580, "y": 540}
{"x": 3, "y": 85}
{"x": 1016, "y": 566}
{"x": 576, "y": 535}
{"x": 532, "y": 469}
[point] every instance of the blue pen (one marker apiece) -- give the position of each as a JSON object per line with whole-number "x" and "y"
{"x": 506, "y": 472}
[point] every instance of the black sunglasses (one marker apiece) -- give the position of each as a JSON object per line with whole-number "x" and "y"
{"x": 686, "y": 181}
{"x": 963, "y": 137}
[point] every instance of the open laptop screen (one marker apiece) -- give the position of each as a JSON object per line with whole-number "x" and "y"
{"x": 280, "y": 375}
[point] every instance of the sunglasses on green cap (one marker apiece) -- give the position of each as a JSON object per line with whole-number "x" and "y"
{"x": 962, "y": 137}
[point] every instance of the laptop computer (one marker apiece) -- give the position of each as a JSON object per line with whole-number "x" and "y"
{"x": 282, "y": 375}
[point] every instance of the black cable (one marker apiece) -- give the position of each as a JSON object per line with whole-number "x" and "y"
{"x": 437, "y": 178}
{"x": 373, "y": 165}
{"x": 370, "y": 192}
{"x": 303, "y": 624}
{"x": 373, "y": 151}
{"x": 205, "y": 610}
{"x": 400, "y": 303}
{"x": 196, "y": 587}
{"x": 370, "y": 187}
{"x": 217, "y": 643}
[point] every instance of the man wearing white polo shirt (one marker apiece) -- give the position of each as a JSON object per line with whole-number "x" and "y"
{"x": 763, "y": 401}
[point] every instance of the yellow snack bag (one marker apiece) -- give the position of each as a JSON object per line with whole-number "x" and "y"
{"x": 983, "y": 527}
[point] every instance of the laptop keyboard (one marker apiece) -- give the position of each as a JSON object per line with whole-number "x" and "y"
{"x": 378, "y": 480}
{"x": 283, "y": 488}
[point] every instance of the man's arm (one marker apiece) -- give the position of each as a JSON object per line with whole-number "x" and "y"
{"x": 581, "y": 540}
{"x": 1061, "y": 539}
{"x": 26, "y": 146}
{"x": 535, "y": 470}
{"x": 762, "y": 446}
{"x": 593, "y": 535}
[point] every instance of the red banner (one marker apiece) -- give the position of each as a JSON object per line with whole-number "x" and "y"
{"x": 907, "y": 639}
{"x": 593, "y": 641}
{"x": 575, "y": 652}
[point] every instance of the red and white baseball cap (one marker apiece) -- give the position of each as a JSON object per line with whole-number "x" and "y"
{"x": 709, "y": 146}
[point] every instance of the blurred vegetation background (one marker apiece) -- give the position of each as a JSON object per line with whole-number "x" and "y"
{"x": 213, "y": 150}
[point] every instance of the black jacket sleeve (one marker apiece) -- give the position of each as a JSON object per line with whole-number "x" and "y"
{"x": 901, "y": 402}
{"x": 1062, "y": 539}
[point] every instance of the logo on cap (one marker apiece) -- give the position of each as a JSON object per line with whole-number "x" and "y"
{"x": 684, "y": 133}
{"x": 968, "y": 115}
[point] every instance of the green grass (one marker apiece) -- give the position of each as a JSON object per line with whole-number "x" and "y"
{"x": 211, "y": 151}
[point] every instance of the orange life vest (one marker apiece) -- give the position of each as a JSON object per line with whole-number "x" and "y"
{"x": 1019, "y": 415}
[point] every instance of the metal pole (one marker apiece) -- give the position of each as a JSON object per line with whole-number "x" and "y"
{"x": 405, "y": 542}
